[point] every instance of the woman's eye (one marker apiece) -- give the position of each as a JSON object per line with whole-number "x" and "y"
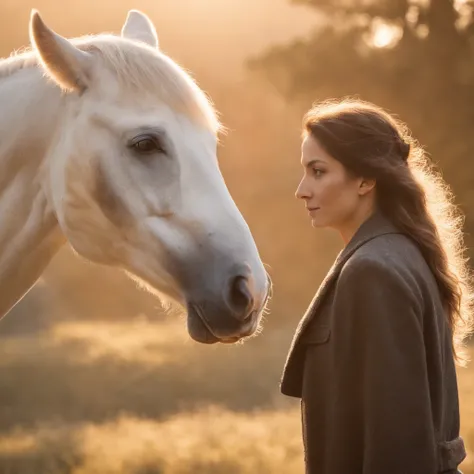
{"x": 318, "y": 172}
{"x": 147, "y": 146}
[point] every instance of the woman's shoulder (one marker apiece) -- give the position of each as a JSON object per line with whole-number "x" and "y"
{"x": 389, "y": 251}
{"x": 390, "y": 257}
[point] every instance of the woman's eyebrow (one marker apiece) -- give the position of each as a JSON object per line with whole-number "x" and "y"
{"x": 313, "y": 162}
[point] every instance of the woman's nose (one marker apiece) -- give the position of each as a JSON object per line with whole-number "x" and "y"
{"x": 301, "y": 191}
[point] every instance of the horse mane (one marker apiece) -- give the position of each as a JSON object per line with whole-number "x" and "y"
{"x": 17, "y": 61}
{"x": 138, "y": 68}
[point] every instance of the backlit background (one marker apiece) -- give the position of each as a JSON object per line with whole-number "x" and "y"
{"x": 94, "y": 377}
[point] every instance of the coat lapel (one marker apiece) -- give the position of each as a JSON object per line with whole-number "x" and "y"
{"x": 375, "y": 226}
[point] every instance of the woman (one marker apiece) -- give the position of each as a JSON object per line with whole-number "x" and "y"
{"x": 373, "y": 359}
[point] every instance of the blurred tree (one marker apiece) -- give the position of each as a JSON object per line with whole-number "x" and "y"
{"x": 413, "y": 57}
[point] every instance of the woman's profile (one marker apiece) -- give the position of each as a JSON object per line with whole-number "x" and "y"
{"x": 374, "y": 357}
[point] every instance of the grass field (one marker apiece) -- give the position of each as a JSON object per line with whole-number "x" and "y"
{"x": 140, "y": 398}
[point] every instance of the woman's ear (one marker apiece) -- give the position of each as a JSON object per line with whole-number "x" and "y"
{"x": 366, "y": 186}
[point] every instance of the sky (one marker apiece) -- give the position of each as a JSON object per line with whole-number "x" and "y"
{"x": 217, "y": 34}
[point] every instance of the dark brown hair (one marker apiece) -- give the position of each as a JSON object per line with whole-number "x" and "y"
{"x": 371, "y": 143}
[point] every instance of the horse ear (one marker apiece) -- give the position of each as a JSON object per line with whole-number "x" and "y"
{"x": 139, "y": 27}
{"x": 68, "y": 66}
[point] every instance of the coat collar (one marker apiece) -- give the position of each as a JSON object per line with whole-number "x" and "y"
{"x": 374, "y": 226}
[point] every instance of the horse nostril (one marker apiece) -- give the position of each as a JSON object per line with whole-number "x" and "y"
{"x": 240, "y": 297}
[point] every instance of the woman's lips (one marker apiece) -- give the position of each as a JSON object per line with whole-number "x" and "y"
{"x": 312, "y": 210}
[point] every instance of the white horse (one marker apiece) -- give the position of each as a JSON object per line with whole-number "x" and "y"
{"x": 109, "y": 145}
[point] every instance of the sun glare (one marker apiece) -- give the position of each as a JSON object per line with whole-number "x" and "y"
{"x": 385, "y": 36}
{"x": 459, "y": 3}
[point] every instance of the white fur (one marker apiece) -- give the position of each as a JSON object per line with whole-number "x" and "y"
{"x": 68, "y": 107}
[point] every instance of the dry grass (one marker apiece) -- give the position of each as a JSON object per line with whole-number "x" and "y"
{"x": 89, "y": 398}
{"x": 209, "y": 441}
{"x": 132, "y": 341}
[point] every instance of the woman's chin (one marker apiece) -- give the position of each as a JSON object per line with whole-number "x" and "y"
{"x": 316, "y": 223}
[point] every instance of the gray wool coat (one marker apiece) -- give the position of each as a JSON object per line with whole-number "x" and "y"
{"x": 372, "y": 363}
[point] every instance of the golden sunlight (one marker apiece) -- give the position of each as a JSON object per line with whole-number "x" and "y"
{"x": 460, "y": 3}
{"x": 385, "y": 35}
{"x": 137, "y": 340}
{"x": 212, "y": 440}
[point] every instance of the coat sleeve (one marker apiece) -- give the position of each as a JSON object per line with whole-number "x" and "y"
{"x": 379, "y": 343}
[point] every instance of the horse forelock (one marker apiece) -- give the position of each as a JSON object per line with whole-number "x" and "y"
{"x": 140, "y": 68}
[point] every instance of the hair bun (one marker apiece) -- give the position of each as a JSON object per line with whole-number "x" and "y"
{"x": 404, "y": 150}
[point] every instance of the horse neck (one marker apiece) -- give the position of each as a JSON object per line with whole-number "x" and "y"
{"x": 29, "y": 233}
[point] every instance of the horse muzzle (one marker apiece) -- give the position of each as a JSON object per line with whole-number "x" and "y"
{"x": 232, "y": 316}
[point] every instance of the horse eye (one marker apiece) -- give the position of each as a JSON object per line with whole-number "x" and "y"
{"x": 146, "y": 146}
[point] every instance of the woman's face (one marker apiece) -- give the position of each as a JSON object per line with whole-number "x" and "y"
{"x": 331, "y": 195}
